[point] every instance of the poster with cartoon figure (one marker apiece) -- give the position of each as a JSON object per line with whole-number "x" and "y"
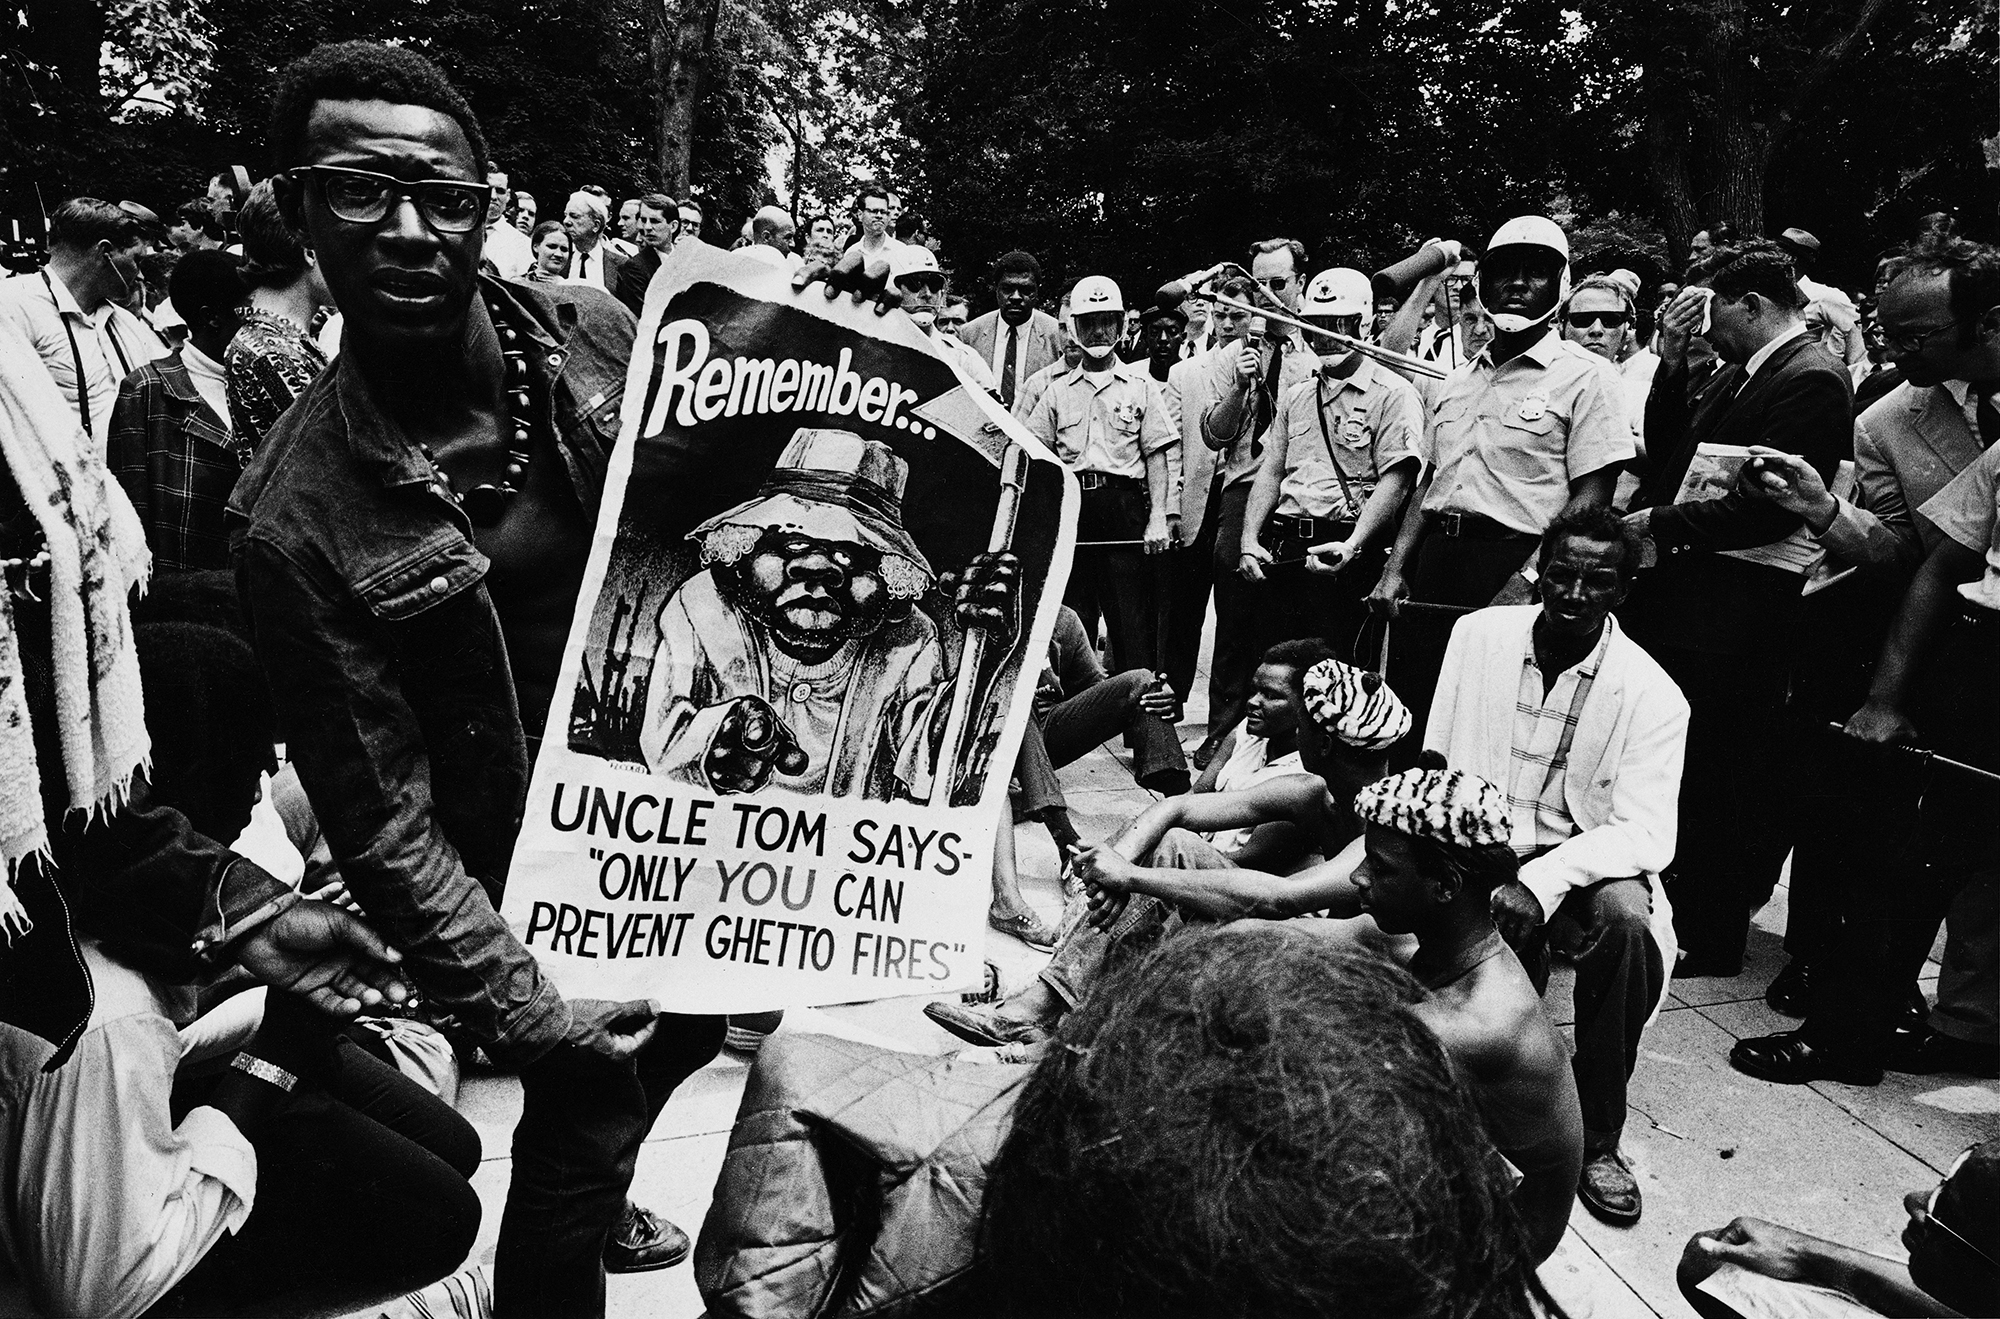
{"x": 794, "y": 687}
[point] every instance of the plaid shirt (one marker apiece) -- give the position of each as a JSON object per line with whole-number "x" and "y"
{"x": 1543, "y": 731}
{"x": 174, "y": 458}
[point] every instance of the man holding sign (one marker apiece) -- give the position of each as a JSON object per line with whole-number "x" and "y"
{"x": 410, "y": 544}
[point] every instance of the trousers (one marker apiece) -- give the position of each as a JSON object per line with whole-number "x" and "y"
{"x": 1233, "y": 663}
{"x": 1123, "y": 585}
{"x": 1619, "y": 976}
{"x": 361, "y": 1197}
{"x": 583, "y": 1119}
{"x": 1072, "y": 727}
{"x": 1084, "y": 951}
{"x": 1191, "y": 570}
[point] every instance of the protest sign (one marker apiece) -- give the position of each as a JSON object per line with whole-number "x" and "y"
{"x": 801, "y": 662}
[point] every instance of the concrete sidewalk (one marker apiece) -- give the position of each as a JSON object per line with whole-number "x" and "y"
{"x": 1707, "y": 1142}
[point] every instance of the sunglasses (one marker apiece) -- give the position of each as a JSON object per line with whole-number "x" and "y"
{"x": 1275, "y": 283}
{"x": 1930, "y": 1210}
{"x": 359, "y": 196}
{"x": 1587, "y": 319}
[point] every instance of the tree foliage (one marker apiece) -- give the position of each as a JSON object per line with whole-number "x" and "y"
{"x": 1120, "y": 136}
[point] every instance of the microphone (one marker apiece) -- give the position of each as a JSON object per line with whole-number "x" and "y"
{"x": 1175, "y": 291}
{"x": 1255, "y": 337}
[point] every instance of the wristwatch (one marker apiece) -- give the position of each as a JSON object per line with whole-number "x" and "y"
{"x": 269, "y": 1073}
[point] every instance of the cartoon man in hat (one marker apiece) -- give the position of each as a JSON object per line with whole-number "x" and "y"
{"x": 797, "y": 658}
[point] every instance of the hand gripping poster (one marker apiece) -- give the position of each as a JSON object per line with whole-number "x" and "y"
{"x": 823, "y": 581}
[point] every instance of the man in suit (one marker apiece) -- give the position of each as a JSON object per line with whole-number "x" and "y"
{"x": 1015, "y": 339}
{"x": 659, "y": 225}
{"x": 591, "y": 260}
{"x": 1873, "y": 931}
{"x": 1192, "y": 387}
{"x": 1723, "y": 627}
{"x": 1584, "y": 733}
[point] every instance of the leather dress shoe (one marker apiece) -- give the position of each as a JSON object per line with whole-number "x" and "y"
{"x": 644, "y": 1241}
{"x": 1787, "y": 1059}
{"x": 1925, "y": 1052}
{"x": 1790, "y": 992}
{"x": 983, "y": 1026}
{"x": 1609, "y": 1190}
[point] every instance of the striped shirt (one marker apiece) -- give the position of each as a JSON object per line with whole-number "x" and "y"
{"x": 1544, "y": 727}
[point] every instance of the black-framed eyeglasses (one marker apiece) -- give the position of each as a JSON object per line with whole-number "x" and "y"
{"x": 1587, "y": 319}
{"x": 1910, "y": 341}
{"x": 360, "y": 196}
{"x": 874, "y": 210}
{"x": 1930, "y": 1206}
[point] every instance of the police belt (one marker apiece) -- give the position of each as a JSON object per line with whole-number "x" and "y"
{"x": 1474, "y": 526}
{"x": 1105, "y": 481}
{"x": 1284, "y": 527}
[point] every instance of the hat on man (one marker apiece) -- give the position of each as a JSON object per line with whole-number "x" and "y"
{"x": 837, "y": 487}
{"x": 1354, "y": 705}
{"x": 1800, "y": 241}
{"x": 1444, "y": 805}
{"x": 909, "y": 259}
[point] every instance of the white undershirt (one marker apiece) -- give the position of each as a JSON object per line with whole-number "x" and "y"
{"x": 209, "y": 381}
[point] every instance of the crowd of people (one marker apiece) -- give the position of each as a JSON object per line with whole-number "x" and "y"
{"x": 1553, "y": 611}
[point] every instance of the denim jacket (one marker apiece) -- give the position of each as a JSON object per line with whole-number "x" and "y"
{"x": 387, "y": 665}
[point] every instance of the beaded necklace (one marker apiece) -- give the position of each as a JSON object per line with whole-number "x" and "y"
{"x": 486, "y": 504}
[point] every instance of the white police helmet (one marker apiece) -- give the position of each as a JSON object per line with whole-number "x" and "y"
{"x": 1337, "y": 292}
{"x": 1537, "y": 231}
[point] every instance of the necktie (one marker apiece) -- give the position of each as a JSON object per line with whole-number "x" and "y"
{"x": 1989, "y": 421}
{"x": 1007, "y": 367}
{"x": 583, "y": 265}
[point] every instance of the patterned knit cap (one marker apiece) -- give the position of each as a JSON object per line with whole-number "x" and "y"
{"x": 1354, "y": 705}
{"x": 1444, "y": 805}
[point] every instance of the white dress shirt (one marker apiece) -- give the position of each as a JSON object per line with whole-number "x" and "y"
{"x": 110, "y": 343}
{"x": 209, "y": 380}
{"x": 507, "y": 248}
{"x": 588, "y": 267}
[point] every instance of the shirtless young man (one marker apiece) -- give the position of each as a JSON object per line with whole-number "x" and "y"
{"x": 1351, "y": 720}
{"x": 1436, "y": 848}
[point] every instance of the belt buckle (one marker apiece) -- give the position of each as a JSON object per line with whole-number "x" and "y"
{"x": 1452, "y": 524}
{"x": 1089, "y": 480}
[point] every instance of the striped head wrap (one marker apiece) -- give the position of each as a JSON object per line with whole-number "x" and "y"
{"x": 1443, "y": 805}
{"x": 1354, "y": 705}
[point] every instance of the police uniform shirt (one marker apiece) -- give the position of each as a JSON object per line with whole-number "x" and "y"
{"x": 1373, "y": 421}
{"x": 1106, "y": 422}
{"x": 1507, "y": 440}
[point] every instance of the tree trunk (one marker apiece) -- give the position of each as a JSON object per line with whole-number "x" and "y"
{"x": 682, "y": 34}
{"x": 1667, "y": 159}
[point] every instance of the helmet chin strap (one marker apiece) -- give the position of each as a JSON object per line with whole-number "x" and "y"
{"x": 1511, "y": 323}
{"x": 1096, "y": 352}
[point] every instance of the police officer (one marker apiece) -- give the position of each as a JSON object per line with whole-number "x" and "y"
{"x": 1531, "y": 425}
{"x": 1108, "y": 421}
{"x": 1340, "y": 458}
{"x": 914, "y": 270}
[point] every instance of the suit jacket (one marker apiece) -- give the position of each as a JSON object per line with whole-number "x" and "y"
{"x": 1907, "y": 447}
{"x": 1801, "y": 401}
{"x": 1191, "y": 387}
{"x": 1623, "y": 781}
{"x": 1045, "y": 341}
{"x": 635, "y": 276}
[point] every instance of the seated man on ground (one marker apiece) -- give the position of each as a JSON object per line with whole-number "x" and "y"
{"x": 1265, "y": 747}
{"x": 1436, "y": 849}
{"x": 1340, "y": 1165}
{"x": 1586, "y": 734}
{"x": 1752, "y": 1267}
{"x": 1352, "y": 720}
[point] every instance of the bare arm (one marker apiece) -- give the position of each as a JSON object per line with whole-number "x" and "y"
{"x": 1400, "y": 334}
{"x": 1225, "y": 895}
{"x": 1394, "y": 586}
{"x": 1290, "y": 798}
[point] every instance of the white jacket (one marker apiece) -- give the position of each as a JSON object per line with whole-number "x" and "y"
{"x": 1623, "y": 784}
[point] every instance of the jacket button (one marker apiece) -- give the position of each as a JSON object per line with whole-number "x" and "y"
{"x": 439, "y": 585}
{"x": 555, "y": 359}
